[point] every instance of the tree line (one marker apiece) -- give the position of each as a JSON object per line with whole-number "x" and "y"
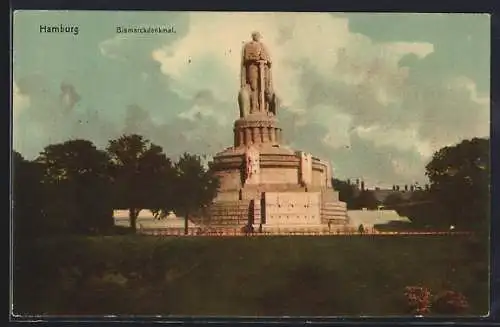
{"x": 73, "y": 187}
{"x": 458, "y": 194}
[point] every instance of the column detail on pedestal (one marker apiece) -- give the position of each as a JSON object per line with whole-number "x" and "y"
{"x": 272, "y": 135}
{"x": 256, "y": 136}
{"x": 241, "y": 137}
{"x": 248, "y": 136}
{"x": 256, "y": 129}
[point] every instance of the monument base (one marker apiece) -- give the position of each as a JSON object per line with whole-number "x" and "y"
{"x": 296, "y": 209}
{"x": 262, "y": 182}
{"x": 294, "y": 228}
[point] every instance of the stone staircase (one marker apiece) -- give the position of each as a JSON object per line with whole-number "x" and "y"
{"x": 229, "y": 213}
{"x": 334, "y": 212}
{"x": 329, "y": 195}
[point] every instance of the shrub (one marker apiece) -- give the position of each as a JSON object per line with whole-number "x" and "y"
{"x": 450, "y": 302}
{"x": 419, "y": 299}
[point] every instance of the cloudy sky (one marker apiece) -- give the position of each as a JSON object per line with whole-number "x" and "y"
{"x": 375, "y": 94}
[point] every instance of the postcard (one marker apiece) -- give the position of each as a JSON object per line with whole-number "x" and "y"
{"x": 250, "y": 164}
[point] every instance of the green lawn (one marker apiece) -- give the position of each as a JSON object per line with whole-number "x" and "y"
{"x": 261, "y": 276}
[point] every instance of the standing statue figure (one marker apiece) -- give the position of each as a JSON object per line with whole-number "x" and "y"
{"x": 256, "y": 93}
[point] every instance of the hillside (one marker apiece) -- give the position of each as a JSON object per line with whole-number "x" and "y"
{"x": 244, "y": 276}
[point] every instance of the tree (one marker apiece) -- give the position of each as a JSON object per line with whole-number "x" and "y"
{"x": 366, "y": 199}
{"x": 459, "y": 180}
{"x": 27, "y": 197}
{"x": 77, "y": 185}
{"x": 346, "y": 191}
{"x": 195, "y": 186}
{"x": 420, "y": 196}
{"x": 393, "y": 200}
{"x": 142, "y": 175}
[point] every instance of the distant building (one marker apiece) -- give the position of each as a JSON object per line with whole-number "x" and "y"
{"x": 381, "y": 194}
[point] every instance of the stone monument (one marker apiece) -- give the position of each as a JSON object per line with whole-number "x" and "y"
{"x": 263, "y": 182}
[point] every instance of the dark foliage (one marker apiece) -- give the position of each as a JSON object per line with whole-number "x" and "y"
{"x": 194, "y": 186}
{"x": 347, "y": 191}
{"x": 459, "y": 177}
{"x": 142, "y": 175}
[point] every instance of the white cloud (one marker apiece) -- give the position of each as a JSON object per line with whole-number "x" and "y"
{"x": 19, "y": 101}
{"x": 470, "y": 86}
{"x": 337, "y": 137}
{"x": 400, "y": 139}
{"x": 111, "y": 47}
{"x": 198, "y": 112}
{"x": 327, "y": 75}
{"x": 339, "y": 90}
{"x": 406, "y": 168}
{"x": 419, "y": 49}
{"x": 208, "y": 57}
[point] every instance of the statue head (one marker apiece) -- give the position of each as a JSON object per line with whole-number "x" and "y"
{"x": 256, "y": 36}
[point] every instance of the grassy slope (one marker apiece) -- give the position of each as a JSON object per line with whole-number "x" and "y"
{"x": 244, "y": 276}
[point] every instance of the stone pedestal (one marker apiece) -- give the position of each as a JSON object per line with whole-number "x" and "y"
{"x": 256, "y": 129}
{"x": 297, "y": 178}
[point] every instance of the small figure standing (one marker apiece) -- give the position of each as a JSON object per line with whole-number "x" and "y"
{"x": 361, "y": 229}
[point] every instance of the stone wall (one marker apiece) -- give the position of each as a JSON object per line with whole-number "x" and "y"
{"x": 329, "y": 195}
{"x": 317, "y": 177}
{"x": 273, "y": 169}
{"x": 292, "y": 208}
{"x": 230, "y": 179}
{"x": 228, "y": 196}
{"x": 294, "y": 188}
{"x": 321, "y": 173}
{"x": 279, "y": 175}
{"x": 235, "y": 213}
